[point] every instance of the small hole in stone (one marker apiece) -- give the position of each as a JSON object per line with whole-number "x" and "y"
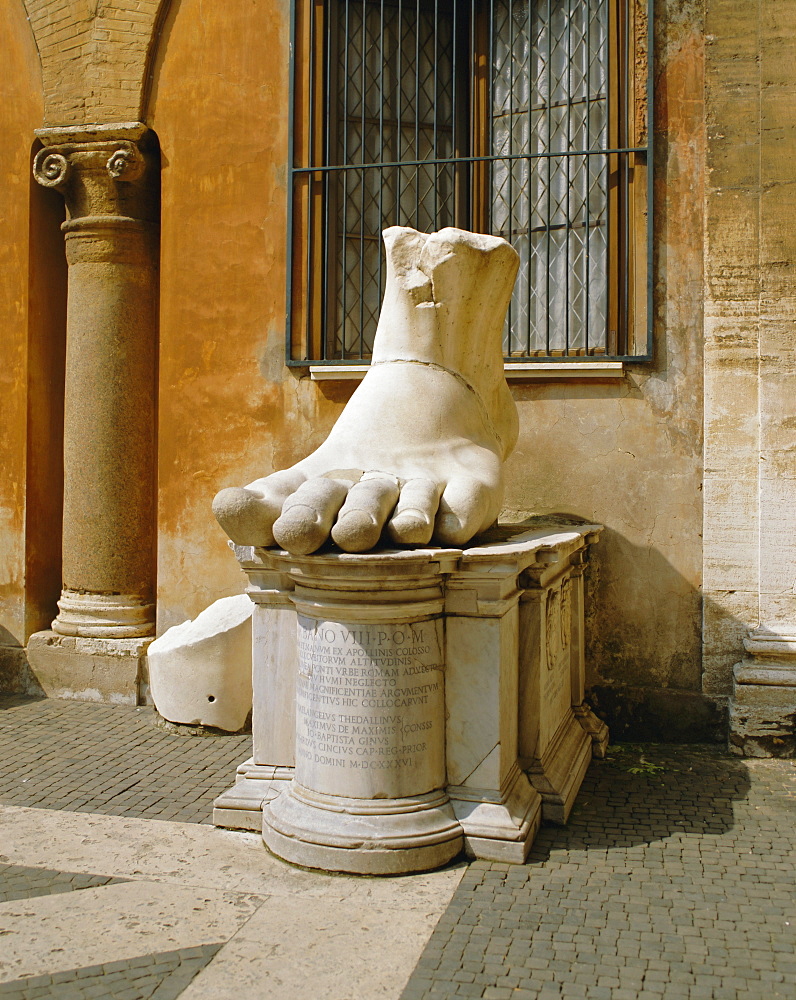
{"x": 211, "y": 697}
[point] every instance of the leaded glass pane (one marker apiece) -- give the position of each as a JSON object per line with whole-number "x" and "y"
{"x": 395, "y": 104}
{"x": 549, "y": 96}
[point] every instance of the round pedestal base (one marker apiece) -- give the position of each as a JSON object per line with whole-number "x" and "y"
{"x": 362, "y": 836}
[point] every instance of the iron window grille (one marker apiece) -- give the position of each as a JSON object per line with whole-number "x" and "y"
{"x": 528, "y": 119}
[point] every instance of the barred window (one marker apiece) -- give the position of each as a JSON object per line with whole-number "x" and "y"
{"x": 527, "y": 119}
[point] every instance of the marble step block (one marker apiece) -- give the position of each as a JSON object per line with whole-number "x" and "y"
{"x": 414, "y": 702}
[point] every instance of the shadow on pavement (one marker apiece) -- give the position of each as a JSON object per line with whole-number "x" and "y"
{"x": 642, "y": 793}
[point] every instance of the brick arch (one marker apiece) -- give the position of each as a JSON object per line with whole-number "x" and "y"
{"x": 95, "y": 57}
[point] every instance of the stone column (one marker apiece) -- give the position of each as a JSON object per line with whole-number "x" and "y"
{"x": 763, "y": 704}
{"x": 108, "y": 177}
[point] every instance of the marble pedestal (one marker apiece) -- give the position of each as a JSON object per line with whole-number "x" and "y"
{"x": 428, "y": 699}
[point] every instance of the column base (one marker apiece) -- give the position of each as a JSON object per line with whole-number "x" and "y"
{"x": 241, "y": 807}
{"x": 100, "y": 616}
{"x": 763, "y": 704}
{"x": 559, "y": 773}
{"x": 595, "y": 727}
{"x": 498, "y": 825}
{"x": 86, "y": 669}
{"x": 362, "y": 836}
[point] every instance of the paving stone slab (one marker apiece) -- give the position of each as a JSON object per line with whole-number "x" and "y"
{"x": 23, "y": 881}
{"x": 66, "y": 935}
{"x": 674, "y": 878}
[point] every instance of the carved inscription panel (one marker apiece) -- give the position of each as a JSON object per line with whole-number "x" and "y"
{"x": 370, "y": 708}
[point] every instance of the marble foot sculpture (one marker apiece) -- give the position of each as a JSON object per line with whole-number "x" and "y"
{"x": 420, "y": 446}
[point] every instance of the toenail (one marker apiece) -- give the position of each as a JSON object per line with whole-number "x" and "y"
{"x": 361, "y": 515}
{"x": 413, "y": 512}
{"x": 302, "y": 510}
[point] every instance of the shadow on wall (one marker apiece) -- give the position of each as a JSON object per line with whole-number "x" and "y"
{"x": 641, "y": 702}
{"x": 44, "y": 478}
{"x": 16, "y": 676}
{"x": 644, "y": 662}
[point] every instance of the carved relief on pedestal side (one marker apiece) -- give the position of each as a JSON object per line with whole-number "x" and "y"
{"x": 558, "y": 622}
{"x": 553, "y": 628}
{"x": 566, "y": 614}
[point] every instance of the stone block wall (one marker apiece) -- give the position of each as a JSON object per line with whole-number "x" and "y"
{"x": 750, "y": 348}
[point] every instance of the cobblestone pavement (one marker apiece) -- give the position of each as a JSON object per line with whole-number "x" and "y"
{"x": 674, "y": 880}
{"x": 25, "y": 882}
{"x": 111, "y": 759}
{"x": 160, "y": 977}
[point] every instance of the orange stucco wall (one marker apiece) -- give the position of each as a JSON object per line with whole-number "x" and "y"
{"x": 20, "y": 113}
{"x": 227, "y": 411}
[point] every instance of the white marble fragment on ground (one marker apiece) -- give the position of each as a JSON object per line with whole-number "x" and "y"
{"x": 200, "y": 672}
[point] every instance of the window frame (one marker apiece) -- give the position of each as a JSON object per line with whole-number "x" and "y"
{"x": 305, "y": 339}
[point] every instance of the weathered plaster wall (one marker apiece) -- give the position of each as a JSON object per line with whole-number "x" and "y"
{"x": 228, "y": 407}
{"x": 23, "y": 215}
{"x": 750, "y": 339}
{"x": 629, "y": 456}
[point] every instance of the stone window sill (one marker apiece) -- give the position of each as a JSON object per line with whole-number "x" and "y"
{"x": 537, "y": 371}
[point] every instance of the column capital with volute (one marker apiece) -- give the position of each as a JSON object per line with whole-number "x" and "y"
{"x": 106, "y": 175}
